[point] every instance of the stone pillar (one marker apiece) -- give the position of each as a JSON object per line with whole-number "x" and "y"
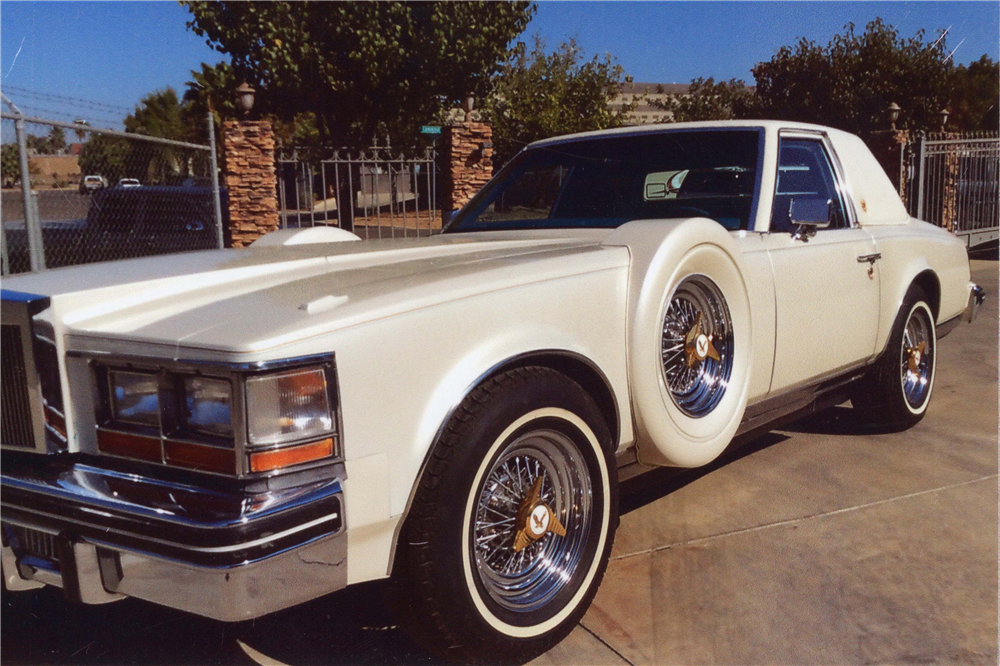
{"x": 949, "y": 185}
{"x": 887, "y": 146}
{"x": 250, "y": 180}
{"x": 468, "y": 163}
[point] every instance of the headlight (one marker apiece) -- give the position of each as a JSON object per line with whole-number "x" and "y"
{"x": 207, "y": 406}
{"x": 230, "y": 420}
{"x": 135, "y": 397}
{"x": 289, "y": 406}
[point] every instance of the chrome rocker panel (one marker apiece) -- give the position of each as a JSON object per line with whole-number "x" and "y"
{"x": 229, "y": 556}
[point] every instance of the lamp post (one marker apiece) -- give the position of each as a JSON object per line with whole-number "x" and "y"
{"x": 468, "y": 104}
{"x": 245, "y": 97}
{"x": 893, "y": 112}
{"x": 943, "y": 117}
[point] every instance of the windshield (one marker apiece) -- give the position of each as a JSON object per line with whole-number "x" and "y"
{"x": 608, "y": 181}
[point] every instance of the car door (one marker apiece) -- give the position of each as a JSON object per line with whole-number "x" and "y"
{"x": 826, "y": 285}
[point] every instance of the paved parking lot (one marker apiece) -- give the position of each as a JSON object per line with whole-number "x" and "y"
{"x": 814, "y": 544}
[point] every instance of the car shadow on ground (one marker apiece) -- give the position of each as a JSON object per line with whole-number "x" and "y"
{"x": 353, "y": 626}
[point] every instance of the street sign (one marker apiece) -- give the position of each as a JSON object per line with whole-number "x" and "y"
{"x": 430, "y": 129}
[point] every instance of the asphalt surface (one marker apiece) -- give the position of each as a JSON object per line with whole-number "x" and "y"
{"x": 815, "y": 544}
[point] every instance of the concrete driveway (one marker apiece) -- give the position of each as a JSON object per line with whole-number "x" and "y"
{"x": 813, "y": 545}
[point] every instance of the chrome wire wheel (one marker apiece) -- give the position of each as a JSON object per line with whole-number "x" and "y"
{"x": 697, "y": 346}
{"x": 916, "y": 358}
{"x": 539, "y": 476}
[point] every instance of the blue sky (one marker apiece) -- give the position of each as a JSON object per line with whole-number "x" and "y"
{"x": 115, "y": 52}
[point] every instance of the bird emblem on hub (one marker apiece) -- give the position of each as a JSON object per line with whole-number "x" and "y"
{"x": 698, "y": 346}
{"x": 535, "y": 518}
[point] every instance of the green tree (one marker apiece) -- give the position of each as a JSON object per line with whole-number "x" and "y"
{"x": 708, "y": 100}
{"x": 160, "y": 114}
{"x": 108, "y": 156}
{"x": 212, "y": 88}
{"x": 849, "y": 82}
{"x": 364, "y": 69}
{"x": 10, "y": 167}
{"x": 975, "y": 90}
{"x": 57, "y": 140}
{"x": 539, "y": 94}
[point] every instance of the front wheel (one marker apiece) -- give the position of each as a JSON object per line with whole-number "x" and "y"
{"x": 512, "y": 523}
{"x": 896, "y": 391}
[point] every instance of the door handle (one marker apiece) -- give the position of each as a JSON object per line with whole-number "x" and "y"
{"x": 869, "y": 258}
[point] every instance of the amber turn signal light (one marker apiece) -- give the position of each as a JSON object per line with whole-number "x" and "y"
{"x": 266, "y": 461}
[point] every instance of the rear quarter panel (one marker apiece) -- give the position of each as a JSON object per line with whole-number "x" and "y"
{"x": 908, "y": 250}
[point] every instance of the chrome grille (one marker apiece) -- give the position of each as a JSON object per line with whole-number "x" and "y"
{"x": 15, "y": 407}
{"x": 32, "y": 542}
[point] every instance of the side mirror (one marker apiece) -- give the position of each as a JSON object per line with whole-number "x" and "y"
{"x": 809, "y": 215}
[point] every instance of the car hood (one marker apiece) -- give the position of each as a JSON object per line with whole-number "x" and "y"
{"x": 256, "y": 299}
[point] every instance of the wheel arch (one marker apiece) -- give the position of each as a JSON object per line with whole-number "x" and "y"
{"x": 577, "y": 367}
{"x": 898, "y": 279}
{"x": 929, "y": 282}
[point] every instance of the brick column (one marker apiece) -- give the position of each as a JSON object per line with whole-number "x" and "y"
{"x": 468, "y": 162}
{"x": 250, "y": 180}
{"x": 887, "y": 146}
{"x": 949, "y": 185}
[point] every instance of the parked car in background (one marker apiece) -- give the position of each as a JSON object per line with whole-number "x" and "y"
{"x": 91, "y": 183}
{"x": 124, "y": 222}
{"x": 129, "y": 182}
{"x": 235, "y": 432}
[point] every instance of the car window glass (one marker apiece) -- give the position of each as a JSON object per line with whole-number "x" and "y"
{"x": 608, "y": 181}
{"x": 805, "y": 172}
{"x": 530, "y": 196}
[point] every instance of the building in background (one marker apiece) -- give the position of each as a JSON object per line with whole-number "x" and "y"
{"x": 646, "y": 95}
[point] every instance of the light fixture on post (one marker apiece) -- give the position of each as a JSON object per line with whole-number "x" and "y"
{"x": 468, "y": 104}
{"x": 893, "y": 112}
{"x": 245, "y": 97}
{"x": 943, "y": 117}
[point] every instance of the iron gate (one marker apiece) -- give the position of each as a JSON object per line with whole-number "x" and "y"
{"x": 374, "y": 192}
{"x": 954, "y": 182}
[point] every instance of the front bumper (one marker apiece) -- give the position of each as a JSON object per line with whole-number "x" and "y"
{"x": 228, "y": 555}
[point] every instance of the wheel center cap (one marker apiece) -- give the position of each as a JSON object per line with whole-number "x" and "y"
{"x": 535, "y": 519}
{"x": 914, "y": 354}
{"x": 701, "y": 346}
{"x": 538, "y": 521}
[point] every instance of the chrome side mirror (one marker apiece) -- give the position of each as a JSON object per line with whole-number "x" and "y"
{"x": 808, "y": 215}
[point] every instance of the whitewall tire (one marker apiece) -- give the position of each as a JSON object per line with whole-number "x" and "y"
{"x": 895, "y": 392}
{"x": 512, "y": 523}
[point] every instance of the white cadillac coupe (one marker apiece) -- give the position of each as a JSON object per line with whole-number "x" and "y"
{"x": 233, "y": 432}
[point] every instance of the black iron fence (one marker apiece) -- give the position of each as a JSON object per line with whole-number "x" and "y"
{"x": 953, "y": 181}
{"x": 109, "y": 195}
{"x": 375, "y": 192}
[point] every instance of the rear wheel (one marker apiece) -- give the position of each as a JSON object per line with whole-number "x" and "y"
{"x": 512, "y": 523}
{"x": 896, "y": 391}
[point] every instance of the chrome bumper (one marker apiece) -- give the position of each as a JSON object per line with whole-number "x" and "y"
{"x": 976, "y": 298}
{"x": 101, "y": 535}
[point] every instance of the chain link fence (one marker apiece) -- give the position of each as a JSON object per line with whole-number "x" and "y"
{"x": 104, "y": 195}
